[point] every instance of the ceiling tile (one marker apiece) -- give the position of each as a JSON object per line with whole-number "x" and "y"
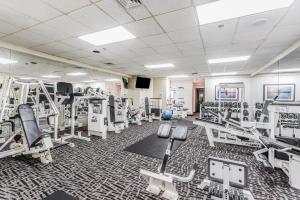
{"x": 180, "y": 19}
{"x": 139, "y": 12}
{"x": 115, "y": 10}
{"x": 8, "y": 28}
{"x": 94, "y": 18}
{"x": 67, "y": 25}
{"x": 190, "y": 46}
{"x": 145, "y": 52}
{"x": 48, "y": 31}
{"x": 293, "y": 15}
{"x": 54, "y": 48}
{"x": 26, "y": 38}
{"x": 158, "y": 7}
{"x": 133, "y": 44}
{"x": 218, "y": 33}
{"x": 67, "y": 5}
{"x": 143, "y": 28}
{"x": 78, "y": 44}
{"x": 33, "y": 8}
{"x": 186, "y": 35}
{"x": 157, "y": 40}
{"x": 11, "y": 16}
{"x": 261, "y": 21}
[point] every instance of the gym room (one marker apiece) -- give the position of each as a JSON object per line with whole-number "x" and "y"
{"x": 149, "y": 99}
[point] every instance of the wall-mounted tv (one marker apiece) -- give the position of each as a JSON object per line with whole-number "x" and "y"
{"x": 142, "y": 82}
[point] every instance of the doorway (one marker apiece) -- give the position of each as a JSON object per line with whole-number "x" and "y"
{"x": 200, "y": 98}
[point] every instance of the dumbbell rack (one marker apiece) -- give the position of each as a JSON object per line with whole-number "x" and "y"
{"x": 222, "y": 106}
{"x": 288, "y": 125}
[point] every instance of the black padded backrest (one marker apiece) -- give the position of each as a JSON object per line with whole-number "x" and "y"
{"x": 64, "y": 88}
{"x": 147, "y": 106}
{"x": 30, "y": 127}
{"x": 111, "y": 104}
{"x": 180, "y": 132}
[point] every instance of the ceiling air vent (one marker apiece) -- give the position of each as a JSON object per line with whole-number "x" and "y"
{"x": 130, "y": 3}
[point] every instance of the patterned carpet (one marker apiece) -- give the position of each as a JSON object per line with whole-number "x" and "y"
{"x": 102, "y": 170}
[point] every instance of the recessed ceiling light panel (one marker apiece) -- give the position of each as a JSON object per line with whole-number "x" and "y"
{"x": 224, "y": 74}
{"x": 286, "y": 70}
{"x": 108, "y": 36}
{"x": 76, "y": 74}
{"x": 157, "y": 66}
{"x": 50, "y": 76}
{"x": 227, "y": 60}
{"x": 178, "y": 76}
{"x": 230, "y": 9}
{"x": 6, "y": 61}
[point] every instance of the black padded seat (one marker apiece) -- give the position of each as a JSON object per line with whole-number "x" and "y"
{"x": 29, "y": 124}
{"x": 119, "y": 122}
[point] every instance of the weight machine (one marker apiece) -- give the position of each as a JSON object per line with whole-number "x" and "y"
{"x": 227, "y": 179}
{"x": 280, "y": 150}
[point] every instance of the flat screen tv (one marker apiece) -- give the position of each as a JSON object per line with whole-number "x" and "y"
{"x": 142, "y": 82}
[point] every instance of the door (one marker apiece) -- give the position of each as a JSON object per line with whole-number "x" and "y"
{"x": 200, "y": 98}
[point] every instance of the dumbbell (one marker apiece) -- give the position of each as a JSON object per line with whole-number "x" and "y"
{"x": 239, "y": 104}
{"x": 225, "y": 104}
{"x": 234, "y": 105}
{"x": 245, "y": 112}
{"x": 258, "y": 105}
{"x": 245, "y": 105}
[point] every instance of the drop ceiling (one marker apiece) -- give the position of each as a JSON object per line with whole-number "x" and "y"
{"x": 166, "y": 31}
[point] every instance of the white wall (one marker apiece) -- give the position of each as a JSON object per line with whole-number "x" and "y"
{"x": 211, "y": 82}
{"x": 187, "y": 92}
{"x": 253, "y": 85}
{"x": 138, "y": 94}
{"x": 160, "y": 90}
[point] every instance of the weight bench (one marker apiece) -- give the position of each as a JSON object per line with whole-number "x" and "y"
{"x": 163, "y": 181}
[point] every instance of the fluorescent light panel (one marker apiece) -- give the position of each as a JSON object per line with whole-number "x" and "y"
{"x": 89, "y": 81}
{"x": 112, "y": 80}
{"x": 108, "y": 36}
{"x": 178, "y": 76}
{"x": 224, "y": 74}
{"x": 76, "y": 74}
{"x": 287, "y": 70}
{"x": 25, "y": 78}
{"x": 229, "y": 59}
{"x": 229, "y": 9}
{"x": 166, "y": 65}
{"x": 50, "y": 76}
{"x": 6, "y": 61}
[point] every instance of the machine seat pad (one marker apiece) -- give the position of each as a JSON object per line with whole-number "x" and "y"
{"x": 164, "y": 131}
{"x": 180, "y": 132}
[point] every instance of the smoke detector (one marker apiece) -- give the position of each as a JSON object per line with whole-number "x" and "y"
{"x": 130, "y": 3}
